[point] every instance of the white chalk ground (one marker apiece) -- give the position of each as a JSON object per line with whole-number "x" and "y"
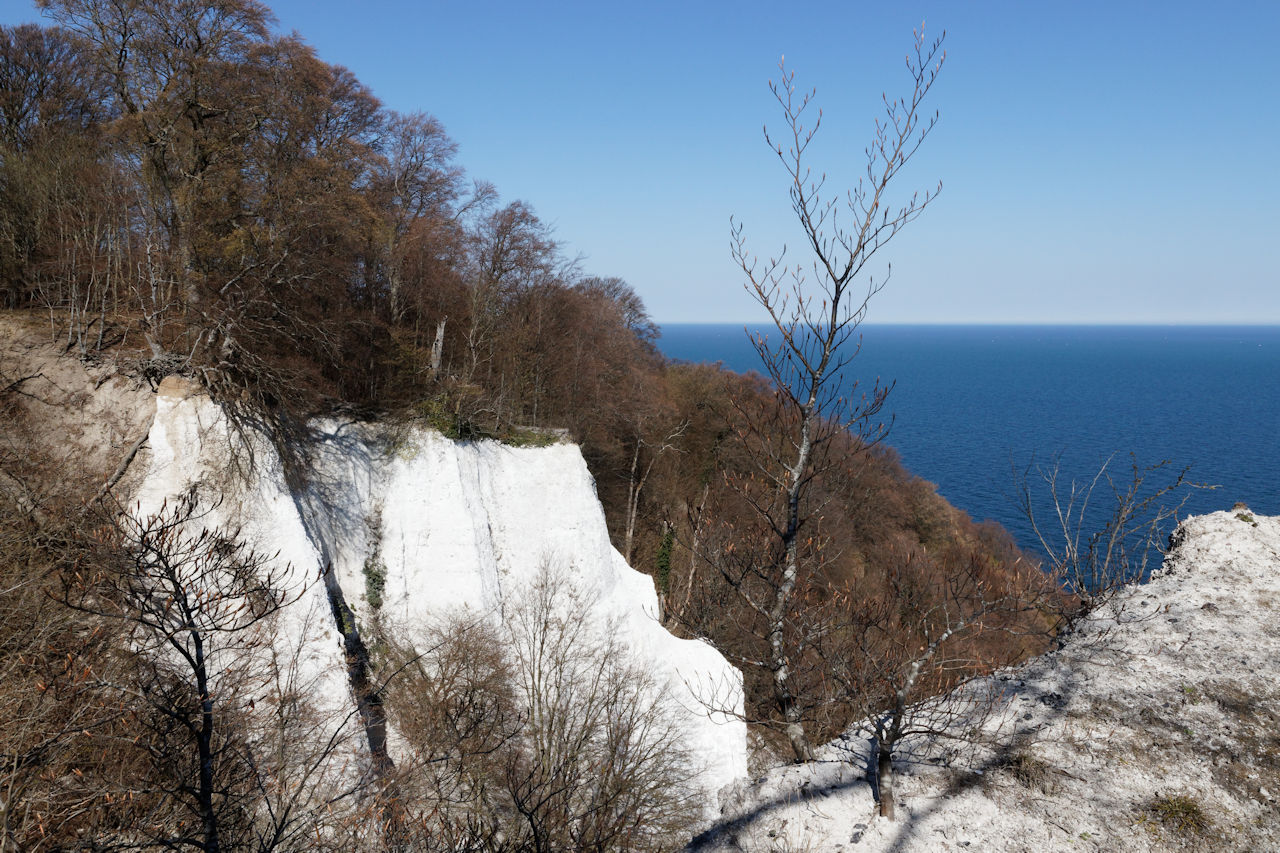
{"x": 1172, "y": 691}
{"x": 448, "y": 525}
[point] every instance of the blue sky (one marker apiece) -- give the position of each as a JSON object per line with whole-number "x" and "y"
{"x": 1101, "y": 162}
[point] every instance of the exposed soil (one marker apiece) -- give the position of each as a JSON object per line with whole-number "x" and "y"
{"x": 79, "y": 417}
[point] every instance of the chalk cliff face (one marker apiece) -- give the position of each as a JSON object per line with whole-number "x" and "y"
{"x": 436, "y": 525}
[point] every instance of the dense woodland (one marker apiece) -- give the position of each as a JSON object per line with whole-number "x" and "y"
{"x": 183, "y": 190}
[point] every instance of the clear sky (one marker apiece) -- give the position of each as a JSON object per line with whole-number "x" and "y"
{"x": 1110, "y": 162}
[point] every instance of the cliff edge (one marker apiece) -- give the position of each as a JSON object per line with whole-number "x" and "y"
{"x": 1156, "y": 727}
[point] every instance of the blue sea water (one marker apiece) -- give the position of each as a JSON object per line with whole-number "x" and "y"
{"x": 972, "y": 403}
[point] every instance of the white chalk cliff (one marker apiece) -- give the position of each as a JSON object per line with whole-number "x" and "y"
{"x": 448, "y": 524}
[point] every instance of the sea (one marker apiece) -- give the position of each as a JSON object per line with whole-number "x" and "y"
{"x": 976, "y": 407}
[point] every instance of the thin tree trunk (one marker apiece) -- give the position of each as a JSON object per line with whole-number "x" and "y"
{"x": 120, "y": 469}
{"x": 204, "y": 743}
{"x": 633, "y": 502}
{"x": 780, "y": 661}
{"x": 884, "y": 778}
{"x": 696, "y": 523}
{"x": 437, "y": 348}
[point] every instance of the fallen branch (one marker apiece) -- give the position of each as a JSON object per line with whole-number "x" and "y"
{"x": 120, "y": 470}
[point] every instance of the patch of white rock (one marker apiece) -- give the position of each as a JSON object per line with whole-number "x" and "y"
{"x": 445, "y": 524}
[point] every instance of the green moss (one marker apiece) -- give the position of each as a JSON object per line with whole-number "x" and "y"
{"x": 446, "y": 417}
{"x": 447, "y": 420}
{"x": 375, "y": 580}
{"x": 529, "y": 437}
{"x": 663, "y": 562}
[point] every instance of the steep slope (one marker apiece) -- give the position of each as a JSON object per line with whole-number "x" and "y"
{"x": 439, "y": 525}
{"x": 1156, "y": 727}
{"x": 78, "y": 417}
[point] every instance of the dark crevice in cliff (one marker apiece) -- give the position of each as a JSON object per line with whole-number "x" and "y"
{"x": 368, "y": 699}
{"x": 373, "y": 715}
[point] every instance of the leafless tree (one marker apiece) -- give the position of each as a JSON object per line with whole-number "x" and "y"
{"x": 420, "y": 183}
{"x": 512, "y": 250}
{"x": 602, "y": 763}
{"x": 902, "y": 659}
{"x": 1105, "y": 533}
{"x": 165, "y": 64}
{"x": 816, "y": 313}
{"x": 63, "y": 739}
{"x": 541, "y": 732}
{"x": 626, "y": 300}
{"x": 639, "y": 475}
{"x": 44, "y": 85}
{"x": 454, "y": 706}
{"x": 192, "y": 604}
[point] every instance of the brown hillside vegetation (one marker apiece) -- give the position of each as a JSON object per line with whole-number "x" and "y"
{"x": 182, "y": 191}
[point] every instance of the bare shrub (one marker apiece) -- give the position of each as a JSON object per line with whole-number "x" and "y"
{"x": 1092, "y": 559}
{"x": 64, "y": 740}
{"x": 455, "y": 708}
{"x": 542, "y": 733}
{"x": 905, "y": 661}
{"x": 193, "y": 610}
{"x": 1030, "y": 772}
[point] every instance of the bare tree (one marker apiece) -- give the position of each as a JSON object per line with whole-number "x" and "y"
{"x": 455, "y": 707}
{"x": 639, "y": 475}
{"x": 1103, "y": 534}
{"x": 628, "y": 303}
{"x": 192, "y": 604}
{"x": 44, "y": 85}
{"x": 166, "y": 64}
{"x": 512, "y": 250}
{"x": 540, "y": 733}
{"x": 901, "y": 659}
{"x": 63, "y": 738}
{"x": 816, "y": 314}
{"x": 602, "y": 763}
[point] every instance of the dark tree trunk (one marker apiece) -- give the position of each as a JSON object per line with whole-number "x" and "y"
{"x": 204, "y": 743}
{"x": 884, "y": 778}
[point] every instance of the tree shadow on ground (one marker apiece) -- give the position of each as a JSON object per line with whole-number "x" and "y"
{"x": 1031, "y": 707}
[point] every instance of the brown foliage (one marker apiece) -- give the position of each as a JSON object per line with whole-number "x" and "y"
{"x": 878, "y": 536}
{"x": 67, "y": 761}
